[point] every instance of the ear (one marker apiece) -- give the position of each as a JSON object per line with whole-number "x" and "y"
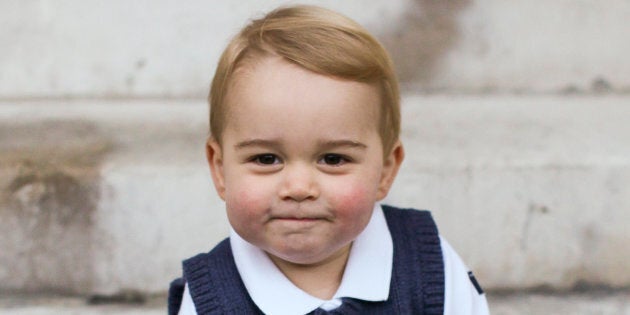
{"x": 215, "y": 161}
{"x": 391, "y": 164}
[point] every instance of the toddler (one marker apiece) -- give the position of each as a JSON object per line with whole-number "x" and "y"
{"x": 304, "y": 143}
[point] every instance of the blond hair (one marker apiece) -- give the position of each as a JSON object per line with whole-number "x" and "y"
{"x": 318, "y": 40}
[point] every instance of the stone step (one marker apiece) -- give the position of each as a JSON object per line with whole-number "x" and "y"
{"x": 103, "y": 196}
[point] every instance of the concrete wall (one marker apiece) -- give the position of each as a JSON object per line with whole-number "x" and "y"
{"x": 169, "y": 49}
{"x": 515, "y": 125}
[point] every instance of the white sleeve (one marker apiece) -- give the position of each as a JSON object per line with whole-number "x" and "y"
{"x": 460, "y": 294}
{"x": 188, "y": 306}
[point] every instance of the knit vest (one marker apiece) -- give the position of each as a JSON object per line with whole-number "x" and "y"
{"x": 417, "y": 284}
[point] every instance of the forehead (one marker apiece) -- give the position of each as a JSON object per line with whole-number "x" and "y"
{"x": 271, "y": 86}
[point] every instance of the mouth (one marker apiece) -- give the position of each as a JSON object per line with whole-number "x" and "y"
{"x": 298, "y": 219}
{"x": 297, "y": 215}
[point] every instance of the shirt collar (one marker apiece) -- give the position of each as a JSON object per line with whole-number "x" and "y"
{"x": 366, "y": 277}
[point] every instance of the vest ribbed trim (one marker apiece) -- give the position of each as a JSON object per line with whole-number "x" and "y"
{"x": 418, "y": 263}
{"x": 215, "y": 284}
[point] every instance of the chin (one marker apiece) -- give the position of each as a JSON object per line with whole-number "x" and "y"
{"x": 298, "y": 257}
{"x": 307, "y": 256}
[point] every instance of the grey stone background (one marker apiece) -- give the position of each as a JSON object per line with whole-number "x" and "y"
{"x": 516, "y": 125}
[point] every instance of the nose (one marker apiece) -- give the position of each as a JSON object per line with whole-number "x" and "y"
{"x": 299, "y": 183}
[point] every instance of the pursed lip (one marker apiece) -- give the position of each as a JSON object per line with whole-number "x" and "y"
{"x": 296, "y": 222}
{"x": 300, "y": 219}
{"x": 299, "y": 214}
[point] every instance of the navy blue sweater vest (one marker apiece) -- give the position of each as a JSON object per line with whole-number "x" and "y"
{"x": 417, "y": 285}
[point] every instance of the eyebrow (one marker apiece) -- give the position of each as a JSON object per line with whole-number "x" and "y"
{"x": 256, "y": 143}
{"x": 275, "y": 143}
{"x": 343, "y": 143}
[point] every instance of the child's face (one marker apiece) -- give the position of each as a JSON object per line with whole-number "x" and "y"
{"x": 300, "y": 165}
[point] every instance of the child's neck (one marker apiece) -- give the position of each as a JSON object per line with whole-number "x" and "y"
{"x": 321, "y": 279}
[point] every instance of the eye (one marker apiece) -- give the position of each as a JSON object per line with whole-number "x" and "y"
{"x": 333, "y": 159}
{"x": 266, "y": 159}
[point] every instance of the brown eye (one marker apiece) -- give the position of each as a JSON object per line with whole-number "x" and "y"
{"x": 333, "y": 159}
{"x": 266, "y": 159}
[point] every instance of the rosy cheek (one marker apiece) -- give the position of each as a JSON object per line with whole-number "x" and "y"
{"x": 247, "y": 193}
{"x": 244, "y": 217}
{"x": 242, "y": 201}
{"x": 250, "y": 195}
{"x": 354, "y": 201}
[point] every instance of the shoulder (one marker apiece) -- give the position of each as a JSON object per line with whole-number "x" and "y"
{"x": 220, "y": 252}
{"x": 187, "y": 305}
{"x": 207, "y": 268}
{"x": 176, "y": 295}
{"x": 179, "y": 294}
{"x": 409, "y": 217}
{"x": 396, "y": 212}
{"x": 214, "y": 283}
